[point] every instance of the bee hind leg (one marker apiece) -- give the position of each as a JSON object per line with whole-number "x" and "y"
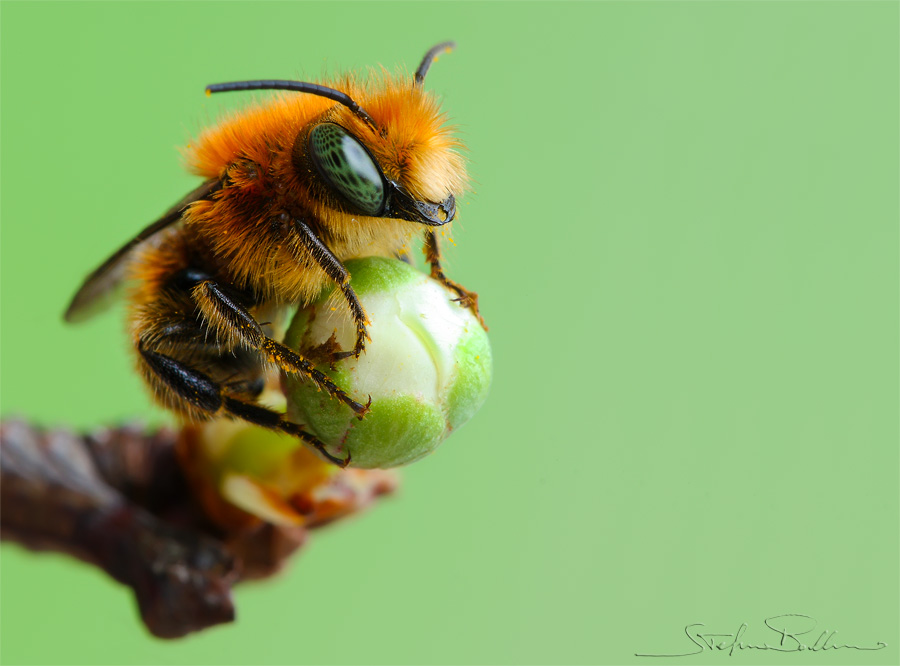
{"x": 208, "y": 398}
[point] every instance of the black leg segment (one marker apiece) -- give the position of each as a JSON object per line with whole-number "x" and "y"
{"x": 193, "y": 386}
{"x": 209, "y": 397}
{"x": 266, "y": 418}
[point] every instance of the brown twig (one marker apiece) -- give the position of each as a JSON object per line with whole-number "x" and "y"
{"x": 118, "y": 499}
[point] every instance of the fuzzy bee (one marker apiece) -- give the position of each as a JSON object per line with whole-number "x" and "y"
{"x": 292, "y": 189}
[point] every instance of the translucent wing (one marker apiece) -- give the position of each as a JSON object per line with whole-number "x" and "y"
{"x": 100, "y": 286}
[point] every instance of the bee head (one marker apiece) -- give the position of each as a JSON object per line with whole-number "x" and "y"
{"x": 405, "y": 165}
{"x": 383, "y": 150}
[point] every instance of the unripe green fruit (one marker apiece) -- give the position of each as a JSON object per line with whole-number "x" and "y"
{"x": 427, "y": 366}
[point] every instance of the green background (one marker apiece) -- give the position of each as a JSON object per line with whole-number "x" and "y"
{"x": 684, "y": 232}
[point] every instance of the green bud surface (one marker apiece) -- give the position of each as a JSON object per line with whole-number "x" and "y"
{"x": 427, "y": 366}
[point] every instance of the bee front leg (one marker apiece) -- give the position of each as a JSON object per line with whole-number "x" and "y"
{"x": 332, "y": 266}
{"x": 228, "y": 318}
{"x": 467, "y": 299}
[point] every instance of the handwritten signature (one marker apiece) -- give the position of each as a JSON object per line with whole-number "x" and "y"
{"x": 789, "y": 628}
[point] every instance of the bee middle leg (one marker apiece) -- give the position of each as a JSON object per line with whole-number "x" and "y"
{"x": 229, "y": 318}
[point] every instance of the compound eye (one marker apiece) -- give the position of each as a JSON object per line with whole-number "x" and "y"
{"x": 348, "y": 167}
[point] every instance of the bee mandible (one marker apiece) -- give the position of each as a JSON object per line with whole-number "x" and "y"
{"x": 292, "y": 189}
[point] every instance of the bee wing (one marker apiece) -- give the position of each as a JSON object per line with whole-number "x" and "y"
{"x": 98, "y": 289}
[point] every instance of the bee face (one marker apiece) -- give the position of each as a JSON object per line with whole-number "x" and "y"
{"x": 404, "y": 166}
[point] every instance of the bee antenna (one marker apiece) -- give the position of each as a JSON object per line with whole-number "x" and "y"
{"x": 297, "y": 86}
{"x": 430, "y": 57}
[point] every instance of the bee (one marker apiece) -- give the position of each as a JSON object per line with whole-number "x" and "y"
{"x": 292, "y": 189}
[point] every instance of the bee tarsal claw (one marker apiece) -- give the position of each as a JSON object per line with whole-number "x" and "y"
{"x": 340, "y": 462}
{"x": 365, "y": 409}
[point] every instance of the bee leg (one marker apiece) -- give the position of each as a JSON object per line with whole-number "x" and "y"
{"x": 267, "y": 418}
{"x": 211, "y": 399}
{"x": 230, "y": 319}
{"x": 467, "y": 299}
{"x": 336, "y": 271}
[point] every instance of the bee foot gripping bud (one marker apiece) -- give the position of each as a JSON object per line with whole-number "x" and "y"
{"x": 427, "y": 369}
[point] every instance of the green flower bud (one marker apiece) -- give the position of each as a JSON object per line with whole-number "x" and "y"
{"x": 427, "y": 367}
